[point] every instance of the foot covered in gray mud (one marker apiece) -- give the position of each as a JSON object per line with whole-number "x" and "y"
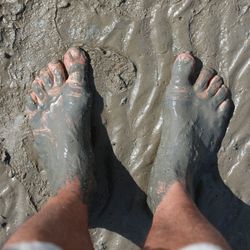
{"x": 59, "y": 110}
{"x": 195, "y": 118}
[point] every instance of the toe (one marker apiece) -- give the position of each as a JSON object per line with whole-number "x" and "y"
{"x": 214, "y": 85}
{"x": 75, "y": 62}
{"x": 225, "y": 108}
{"x": 182, "y": 69}
{"x": 45, "y": 78}
{"x": 58, "y": 73}
{"x": 31, "y": 102}
{"x": 38, "y": 93}
{"x": 203, "y": 80}
{"x": 221, "y": 95}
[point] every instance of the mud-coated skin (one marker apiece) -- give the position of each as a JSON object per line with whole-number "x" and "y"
{"x": 59, "y": 111}
{"x": 195, "y": 118}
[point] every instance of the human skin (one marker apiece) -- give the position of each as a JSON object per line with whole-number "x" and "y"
{"x": 59, "y": 111}
{"x": 195, "y": 118}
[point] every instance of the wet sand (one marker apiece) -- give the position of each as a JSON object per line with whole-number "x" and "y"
{"x": 132, "y": 45}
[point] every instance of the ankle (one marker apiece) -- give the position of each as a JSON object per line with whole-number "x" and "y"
{"x": 175, "y": 196}
{"x": 70, "y": 198}
{"x": 71, "y": 189}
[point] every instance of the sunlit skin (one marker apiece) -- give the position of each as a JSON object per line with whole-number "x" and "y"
{"x": 59, "y": 108}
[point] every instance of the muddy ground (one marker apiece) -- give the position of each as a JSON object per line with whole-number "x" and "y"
{"x": 132, "y": 44}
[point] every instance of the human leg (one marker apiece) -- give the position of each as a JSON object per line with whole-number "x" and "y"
{"x": 178, "y": 223}
{"x": 59, "y": 111}
{"x": 195, "y": 118}
{"x": 62, "y": 221}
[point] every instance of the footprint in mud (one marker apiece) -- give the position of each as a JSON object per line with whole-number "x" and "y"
{"x": 116, "y": 73}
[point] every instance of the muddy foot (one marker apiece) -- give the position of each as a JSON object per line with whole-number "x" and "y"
{"x": 195, "y": 118}
{"x": 59, "y": 110}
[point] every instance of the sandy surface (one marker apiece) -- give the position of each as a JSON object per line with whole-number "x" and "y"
{"x": 132, "y": 45}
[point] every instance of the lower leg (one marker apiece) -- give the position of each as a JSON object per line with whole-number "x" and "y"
{"x": 63, "y": 221}
{"x": 178, "y": 223}
{"x": 195, "y": 118}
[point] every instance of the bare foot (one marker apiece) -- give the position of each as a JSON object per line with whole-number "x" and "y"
{"x": 59, "y": 110}
{"x": 195, "y": 118}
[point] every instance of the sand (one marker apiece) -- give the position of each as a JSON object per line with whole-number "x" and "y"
{"x": 132, "y": 45}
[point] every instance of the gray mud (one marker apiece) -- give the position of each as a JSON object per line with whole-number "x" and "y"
{"x": 132, "y": 45}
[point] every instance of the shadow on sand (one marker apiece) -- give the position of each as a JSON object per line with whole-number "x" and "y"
{"x": 120, "y": 205}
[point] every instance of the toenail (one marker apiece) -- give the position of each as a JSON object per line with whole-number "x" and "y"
{"x": 217, "y": 78}
{"x": 185, "y": 58}
{"x": 188, "y": 52}
{"x": 74, "y": 52}
{"x": 209, "y": 71}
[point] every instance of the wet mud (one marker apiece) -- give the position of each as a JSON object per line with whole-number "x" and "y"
{"x": 132, "y": 45}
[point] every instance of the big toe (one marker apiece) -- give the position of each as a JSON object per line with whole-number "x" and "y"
{"x": 182, "y": 69}
{"x": 76, "y": 62}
